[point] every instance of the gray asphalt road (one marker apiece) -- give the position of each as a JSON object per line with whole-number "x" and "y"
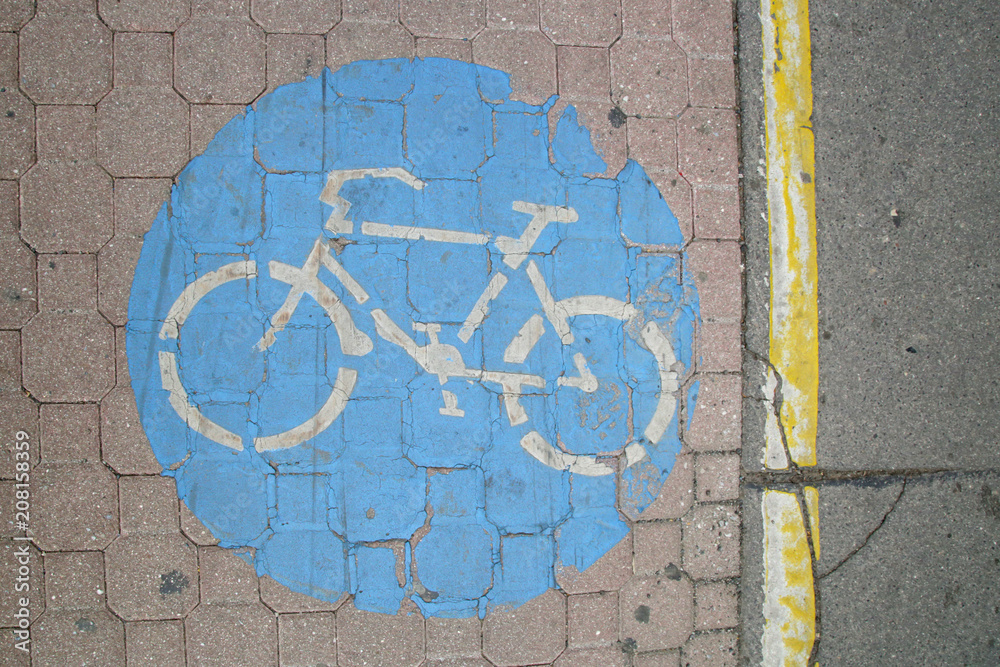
{"x": 907, "y": 126}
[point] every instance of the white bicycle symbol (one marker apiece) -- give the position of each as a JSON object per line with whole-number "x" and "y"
{"x": 434, "y": 358}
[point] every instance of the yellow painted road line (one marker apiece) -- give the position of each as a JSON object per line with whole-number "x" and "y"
{"x": 789, "y": 597}
{"x": 790, "y": 435}
{"x": 791, "y": 202}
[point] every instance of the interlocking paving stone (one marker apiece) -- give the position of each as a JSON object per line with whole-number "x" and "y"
{"x": 609, "y": 572}
{"x": 67, "y": 132}
{"x": 717, "y": 212}
{"x": 8, "y": 59}
{"x": 652, "y": 142}
{"x": 706, "y": 142}
{"x": 714, "y": 649}
{"x": 124, "y": 445}
{"x": 22, "y": 414}
{"x": 658, "y": 659}
{"x": 67, "y": 282}
{"x": 278, "y": 597}
{"x": 719, "y": 345}
{"x": 379, "y": 640}
{"x": 15, "y": 13}
{"x": 18, "y": 300}
{"x": 657, "y": 546}
{"x": 711, "y": 81}
{"x": 703, "y": 27}
{"x": 592, "y": 619}
{"x": 307, "y": 639}
{"x": 372, "y": 10}
{"x": 433, "y": 47}
{"x": 66, "y": 207}
{"x": 142, "y": 125}
{"x": 534, "y": 633}
{"x": 142, "y": 15}
{"x": 644, "y": 19}
{"x": 581, "y": 22}
{"x": 592, "y": 657}
{"x": 226, "y": 578}
{"x": 12, "y": 580}
{"x": 676, "y": 192}
{"x": 718, "y": 477}
{"x": 206, "y": 120}
{"x": 312, "y": 17}
{"x": 152, "y": 576}
{"x": 65, "y": 58}
{"x": 75, "y": 506}
{"x": 292, "y": 58}
{"x": 457, "y": 19}
{"x": 76, "y": 628}
{"x": 677, "y": 493}
{"x": 528, "y": 55}
{"x": 203, "y": 42}
{"x": 17, "y": 131}
{"x": 649, "y": 78}
{"x": 70, "y": 433}
{"x": 712, "y": 542}
{"x": 220, "y": 635}
{"x": 716, "y": 605}
{"x": 512, "y": 14}
{"x": 154, "y": 643}
{"x": 454, "y": 637}
{"x": 657, "y": 612}
{"x": 715, "y": 266}
{"x": 354, "y": 40}
{"x": 68, "y": 356}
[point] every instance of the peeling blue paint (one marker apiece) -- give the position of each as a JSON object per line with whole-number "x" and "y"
{"x": 441, "y": 382}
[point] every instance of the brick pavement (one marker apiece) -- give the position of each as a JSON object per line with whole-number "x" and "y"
{"x": 104, "y": 103}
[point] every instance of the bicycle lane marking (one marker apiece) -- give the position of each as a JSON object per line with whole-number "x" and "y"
{"x": 790, "y": 435}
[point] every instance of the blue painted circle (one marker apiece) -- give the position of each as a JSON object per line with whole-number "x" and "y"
{"x": 400, "y": 342}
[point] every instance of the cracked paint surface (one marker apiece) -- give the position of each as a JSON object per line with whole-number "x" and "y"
{"x": 402, "y": 341}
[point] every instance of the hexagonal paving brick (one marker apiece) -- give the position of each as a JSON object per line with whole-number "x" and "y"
{"x": 65, "y": 58}
{"x": 141, "y": 15}
{"x": 652, "y": 142}
{"x": 75, "y": 507}
{"x": 154, "y": 643}
{"x": 644, "y": 19}
{"x": 454, "y": 638}
{"x": 716, "y": 605}
{"x": 18, "y": 294}
{"x": 608, "y": 574}
{"x": 68, "y": 357}
{"x": 657, "y": 547}
{"x": 718, "y": 477}
{"x": 712, "y": 82}
{"x": 142, "y": 131}
{"x": 368, "y": 639}
{"x": 355, "y": 40}
{"x": 70, "y": 433}
{"x": 231, "y": 635}
{"x": 226, "y": 578}
{"x": 704, "y": 27}
{"x": 17, "y": 132}
{"x": 125, "y": 446}
{"x": 292, "y": 58}
{"x": 207, "y": 120}
{"x": 148, "y": 505}
{"x": 152, "y": 577}
{"x": 78, "y": 637}
{"x": 15, "y": 13}
{"x": 649, "y": 77}
{"x": 196, "y": 531}
{"x": 67, "y": 282}
{"x": 581, "y": 22}
{"x": 592, "y": 619}
{"x": 707, "y": 146}
{"x": 116, "y": 263}
{"x": 22, "y": 413}
{"x": 712, "y": 542}
{"x": 593, "y": 657}
{"x": 67, "y": 132}
{"x": 74, "y": 580}
{"x": 715, "y": 266}
{"x": 717, "y": 212}
{"x": 512, "y": 14}
{"x": 527, "y": 55}
{"x": 66, "y": 207}
{"x": 281, "y": 599}
{"x": 584, "y": 73}
{"x": 719, "y": 347}
{"x": 458, "y": 19}
{"x": 658, "y": 659}
{"x": 656, "y": 612}
{"x": 143, "y": 59}
{"x": 534, "y": 633}
{"x": 455, "y": 49}
{"x": 219, "y": 60}
{"x": 312, "y": 17}
{"x": 307, "y": 639}
{"x": 676, "y": 494}
{"x": 713, "y": 649}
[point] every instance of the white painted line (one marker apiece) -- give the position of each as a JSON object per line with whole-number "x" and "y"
{"x": 335, "y": 180}
{"x": 193, "y": 293}
{"x": 334, "y": 405}
{"x": 425, "y": 233}
{"x": 539, "y": 448}
{"x": 556, "y": 315}
{"x": 345, "y": 278}
{"x": 516, "y": 250}
{"x": 524, "y": 341}
{"x": 481, "y": 307}
{"x": 450, "y": 408}
{"x": 585, "y": 381}
{"x": 189, "y": 414}
{"x": 660, "y": 346}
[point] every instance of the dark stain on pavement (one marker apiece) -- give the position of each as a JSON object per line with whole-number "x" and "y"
{"x": 672, "y": 572}
{"x": 85, "y": 625}
{"x": 990, "y": 501}
{"x": 617, "y": 117}
{"x": 173, "y": 582}
{"x": 642, "y": 613}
